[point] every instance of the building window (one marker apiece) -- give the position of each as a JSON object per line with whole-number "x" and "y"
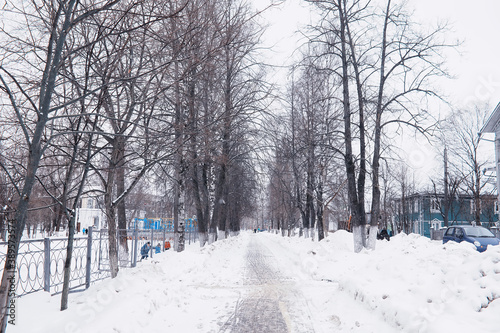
{"x": 434, "y": 205}
{"x": 90, "y": 203}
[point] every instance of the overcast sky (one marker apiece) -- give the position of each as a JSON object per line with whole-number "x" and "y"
{"x": 475, "y": 65}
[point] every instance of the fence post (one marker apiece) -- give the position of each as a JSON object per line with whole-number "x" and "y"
{"x": 134, "y": 247}
{"x": 88, "y": 270}
{"x": 100, "y": 251}
{"x": 46, "y": 264}
{"x": 164, "y": 239}
{"x": 152, "y": 242}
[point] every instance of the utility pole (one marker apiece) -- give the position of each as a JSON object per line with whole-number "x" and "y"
{"x": 446, "y": 201}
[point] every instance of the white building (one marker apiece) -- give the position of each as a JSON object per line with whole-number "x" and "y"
{"x": 89, "y": 214}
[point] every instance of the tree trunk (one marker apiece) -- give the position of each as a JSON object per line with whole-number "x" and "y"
{"x": 375, "y": 213}
{"x": 310, "y": 212}
{"x": 120, "y": 189}
{"x": 71, "y": 215}
{"x": 319, "y": 211}
{"x": 354, "y": 204}
{"x": 362, "y": 134}
{"x": 178, "y": 128}
{"x": 15, "y": 234}
{"x": 111, "y": 216}
{"x": 67, "y": 263}
{"x": 112, "y": 241}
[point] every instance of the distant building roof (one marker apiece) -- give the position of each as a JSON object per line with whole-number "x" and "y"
{"x": 441, "y": 195}
{"x": 493, "y": 122}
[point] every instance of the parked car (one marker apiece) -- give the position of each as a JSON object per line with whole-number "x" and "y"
{"x": 479, "y": 236}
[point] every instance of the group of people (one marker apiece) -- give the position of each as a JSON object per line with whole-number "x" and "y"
{"x": 147, "y": 247}
{"x": 383, "y": 234}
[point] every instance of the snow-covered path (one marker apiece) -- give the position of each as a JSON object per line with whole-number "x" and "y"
{"x": 268, "y": 283}
{"x": 273, "y": 301}
{"x": 307, "y": 304}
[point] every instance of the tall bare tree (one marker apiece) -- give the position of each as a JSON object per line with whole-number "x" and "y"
{"x": 31, "y": 98}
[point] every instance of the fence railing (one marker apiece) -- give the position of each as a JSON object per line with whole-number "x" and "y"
{"x": 40, "y": 263}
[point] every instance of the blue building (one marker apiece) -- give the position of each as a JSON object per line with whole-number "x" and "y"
{"x": 167, "y": 224}
{"x": 418, "y": 213}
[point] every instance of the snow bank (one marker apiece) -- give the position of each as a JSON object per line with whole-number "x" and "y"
{"x": 174, "y": 292}
{"x": 411, "y": 282}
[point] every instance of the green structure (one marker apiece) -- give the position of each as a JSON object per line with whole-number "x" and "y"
{"x": 420, "y": 212}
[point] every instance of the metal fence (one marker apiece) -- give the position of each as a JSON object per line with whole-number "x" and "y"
{"x": 495, "y": 231}
{"x": 40, "y": 263}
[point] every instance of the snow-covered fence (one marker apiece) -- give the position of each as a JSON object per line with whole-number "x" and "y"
{"x": 40, "y": 263}
{"x": 495, "y": 231}
{"x": 437, "y": 234}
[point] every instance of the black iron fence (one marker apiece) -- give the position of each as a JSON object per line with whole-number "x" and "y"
{"x": 40, "y": 262}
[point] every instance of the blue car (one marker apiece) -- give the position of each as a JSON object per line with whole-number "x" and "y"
{"x": 479, "y": 236}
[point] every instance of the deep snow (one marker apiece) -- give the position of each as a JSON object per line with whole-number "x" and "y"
{"x": 409, "y": 284}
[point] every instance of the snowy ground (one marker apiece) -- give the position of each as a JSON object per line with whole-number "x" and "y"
{"x": 410, "y": 284}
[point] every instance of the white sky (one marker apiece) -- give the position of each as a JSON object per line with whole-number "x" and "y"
{"x": 475, "y": 65}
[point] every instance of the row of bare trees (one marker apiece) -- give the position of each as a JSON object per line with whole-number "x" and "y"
{"x": 367, "y": 73}
{"x": 98, "y": 97}
{"x": 462, "y": 187}
{"x": 465, "y": 165}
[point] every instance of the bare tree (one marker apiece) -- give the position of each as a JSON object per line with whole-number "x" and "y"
{"x": 409, "y": 60}
{"x": 407, "y": 188}
{"x": 32, "y": 97}
{"x": 467, "y": 162}
{"x": 282, "y": 196}
{"x": 131, "y": 63}
{"x": 463, "y": 161}
{"x": 392, "y": 61}
{"x": 68, "y": 201}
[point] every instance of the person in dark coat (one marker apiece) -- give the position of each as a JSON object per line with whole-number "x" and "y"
{"x": 145, "y": 250}
{"x": 383, "y": 234}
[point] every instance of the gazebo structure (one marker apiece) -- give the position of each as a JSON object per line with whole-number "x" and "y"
{"x": 493, "y": 126}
